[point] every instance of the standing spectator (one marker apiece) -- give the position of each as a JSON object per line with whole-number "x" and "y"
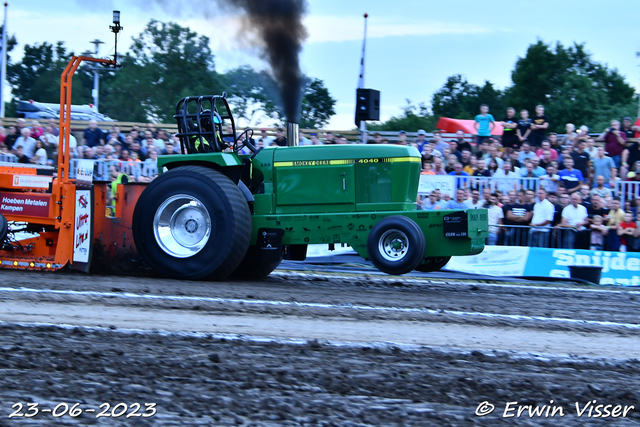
{"x": 431, "y": 203}
{"x": 421, "y": 140}
{"x": 574, "y": 216}
{"x": 543, "y": 212}
{"x": 586, "y": 196}
{"x": 11, "y": 137}
{"x": 40, "y": 156}
{"x": 493, "y": 155}
{"x": 600, "y": 189}
{"x": 598, "y": 233}
{"x": 19, "y": 152}
{"x": 463, "y": 144}
{"x": 551, "y": 180}
{"x": 615, "y": 142}
{"x": 506, "y": 179}
{"x": 627, "y": 232}
{"x": 563, "y": 201}
{"x": 526, "y": 153}
{"x": 28, "y": 144}
{"x": 36, "y": 129}
{"x": 484, "y": 124}
{"x": 50, "y": 141}
{"x": 510, "y": 139}
{"x": 591, "y": 148}
{"x": 54, "y": 125}
{"x": 402, "y": 138}
{"x": 630, "y": 155}
{"x": 571, "y": 178}
{"x": 570, "y": 135}
{"x": 546, "y": 159}
{"x": 524, "y": 126}
{"x": 537, "y": 169}
{"x": 539, "y": 127}
{"x": 597, "y": 208}
{"x": 603, "y": 166}
{"x": 470, "y": 167}
{"x": 628, "y": 128}
{"x": 93, "y": 135}
{"x": 281, "y": 140}
{"x": 377, "y": 139}
{"x": 581, "y": 159}
{"x": 482, "y": 170}
{"x": 616, "y": 216}
{"x": 440, "y": 145}
{"x": 496, "y": 216}
{"x": 474, "y": 202}
{"x": 465, "y": 158}
{"x": 316, "y": 141}
{"x": 483, "y": 150}
{"x": 546, "y": 146}
{"x": 553, "y": 140}
{"x": 265, "y": 137}
{"x": 438, "y": 166}
{"x": 517, "y": 214}
{"x": 458, "y": 203}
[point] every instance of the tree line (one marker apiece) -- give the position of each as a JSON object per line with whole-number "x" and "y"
{"x": 165, "y": 63}
{"x": 573, "y": 87}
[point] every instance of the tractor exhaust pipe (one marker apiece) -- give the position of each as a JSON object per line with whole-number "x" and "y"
{"x": 293, "y": 134}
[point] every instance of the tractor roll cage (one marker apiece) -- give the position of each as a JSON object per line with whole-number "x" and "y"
{"x": 202, "y": 130}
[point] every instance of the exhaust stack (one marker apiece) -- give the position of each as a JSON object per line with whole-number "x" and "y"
{"x": 293, "y": 134}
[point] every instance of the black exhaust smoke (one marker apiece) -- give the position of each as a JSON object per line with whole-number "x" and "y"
{"x": 278, "y": 27}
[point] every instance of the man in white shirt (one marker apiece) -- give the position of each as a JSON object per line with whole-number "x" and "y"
{"x": 574, "y": 217}
{"x": 474, "y": 202}
{"x": 505, "y": 179}
{"x": 28, "y": 144}
{"x": 543, "y": 212}
{"x": 496, "y": 215}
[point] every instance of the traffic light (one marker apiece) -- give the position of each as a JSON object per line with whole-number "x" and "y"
{"x": 367, "y": 105}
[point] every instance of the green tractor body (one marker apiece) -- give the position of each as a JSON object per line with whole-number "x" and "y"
{"x": 363, "y": 196}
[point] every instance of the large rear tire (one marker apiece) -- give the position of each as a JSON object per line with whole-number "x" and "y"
{"x": 433, "y": 264}
{"x": 396, "y": 245}
{"x": 192, "y": 223}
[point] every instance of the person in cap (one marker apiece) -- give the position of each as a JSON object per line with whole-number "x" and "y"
{"x": 421, "y": 140}
{"x": 402, "y": 138}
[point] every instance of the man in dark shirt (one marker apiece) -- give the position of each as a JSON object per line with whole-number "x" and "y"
{"x": 281, "y": 140}
{"x": 628, "y": 128}
{"x": 510, "y": 140}
{"x": 597, "y": 208}
{"x": 93, "y": 135}
{"x": 12, "y": 135}
{"x": 482, "y": 169}
{"x": 524, "y": 126}
{"x": 581, "y": 159}
{"x": 630, "y": 156}
{"x": 539, "y": 127}
{"x": 463, "y": 144}
{"x": 518, "y": 213}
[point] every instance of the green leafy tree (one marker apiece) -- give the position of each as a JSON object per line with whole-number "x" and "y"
{"x": 569, "y": 83}
{"x": 317, "y": 106}
{"x": 166, "y": 62}
{"x": 413, "y": 117}
{"x": 460, "y": 99}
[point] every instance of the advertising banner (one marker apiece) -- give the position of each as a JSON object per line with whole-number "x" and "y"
{"x": 32, "y": 181}
{"x": 82, "y": 231}
{"x": 618, "y": 268}
{"x": 26, "y": 204}
{"x": 84, "y": 173}
{"x": 445, "y": 183}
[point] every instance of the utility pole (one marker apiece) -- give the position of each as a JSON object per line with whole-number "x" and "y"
{"x": 363, "y": 124}
{"x": 96, "y": 75}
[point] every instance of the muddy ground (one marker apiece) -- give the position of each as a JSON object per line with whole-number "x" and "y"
{"x": 196, "y": 375}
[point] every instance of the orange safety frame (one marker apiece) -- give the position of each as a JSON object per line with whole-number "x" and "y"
{"x": 53, "y": 248}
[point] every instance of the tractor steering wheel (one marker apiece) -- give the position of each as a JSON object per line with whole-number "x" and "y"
{"x": 239, "y": 145}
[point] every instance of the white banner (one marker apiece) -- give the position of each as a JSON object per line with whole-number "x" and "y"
{"x": 84, "y": 173}
{"x": 82, "y": 235}
{"x": 493, "y": 261}
{"x": 445, "y": 183}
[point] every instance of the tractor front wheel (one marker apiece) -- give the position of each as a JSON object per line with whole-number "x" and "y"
{"x": 192, "y": 223}
{"x": 396, "y": 245}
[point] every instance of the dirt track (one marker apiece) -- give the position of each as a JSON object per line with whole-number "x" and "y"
{"x": 452, "y": 346}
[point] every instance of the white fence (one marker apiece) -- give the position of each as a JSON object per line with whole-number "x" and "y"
{"x": 448, "y": 184}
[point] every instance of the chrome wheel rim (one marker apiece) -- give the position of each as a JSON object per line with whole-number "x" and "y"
{"x": 393, "y": 245}
{"x": 182, "y": 226}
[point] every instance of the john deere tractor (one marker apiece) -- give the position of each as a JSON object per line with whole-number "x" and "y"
{"x": 215, "y": 212}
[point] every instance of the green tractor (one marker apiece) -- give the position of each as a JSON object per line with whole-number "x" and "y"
{"x": 215, "y": 213}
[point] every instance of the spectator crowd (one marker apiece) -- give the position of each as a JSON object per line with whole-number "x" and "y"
{"x": 541, "y": 189}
